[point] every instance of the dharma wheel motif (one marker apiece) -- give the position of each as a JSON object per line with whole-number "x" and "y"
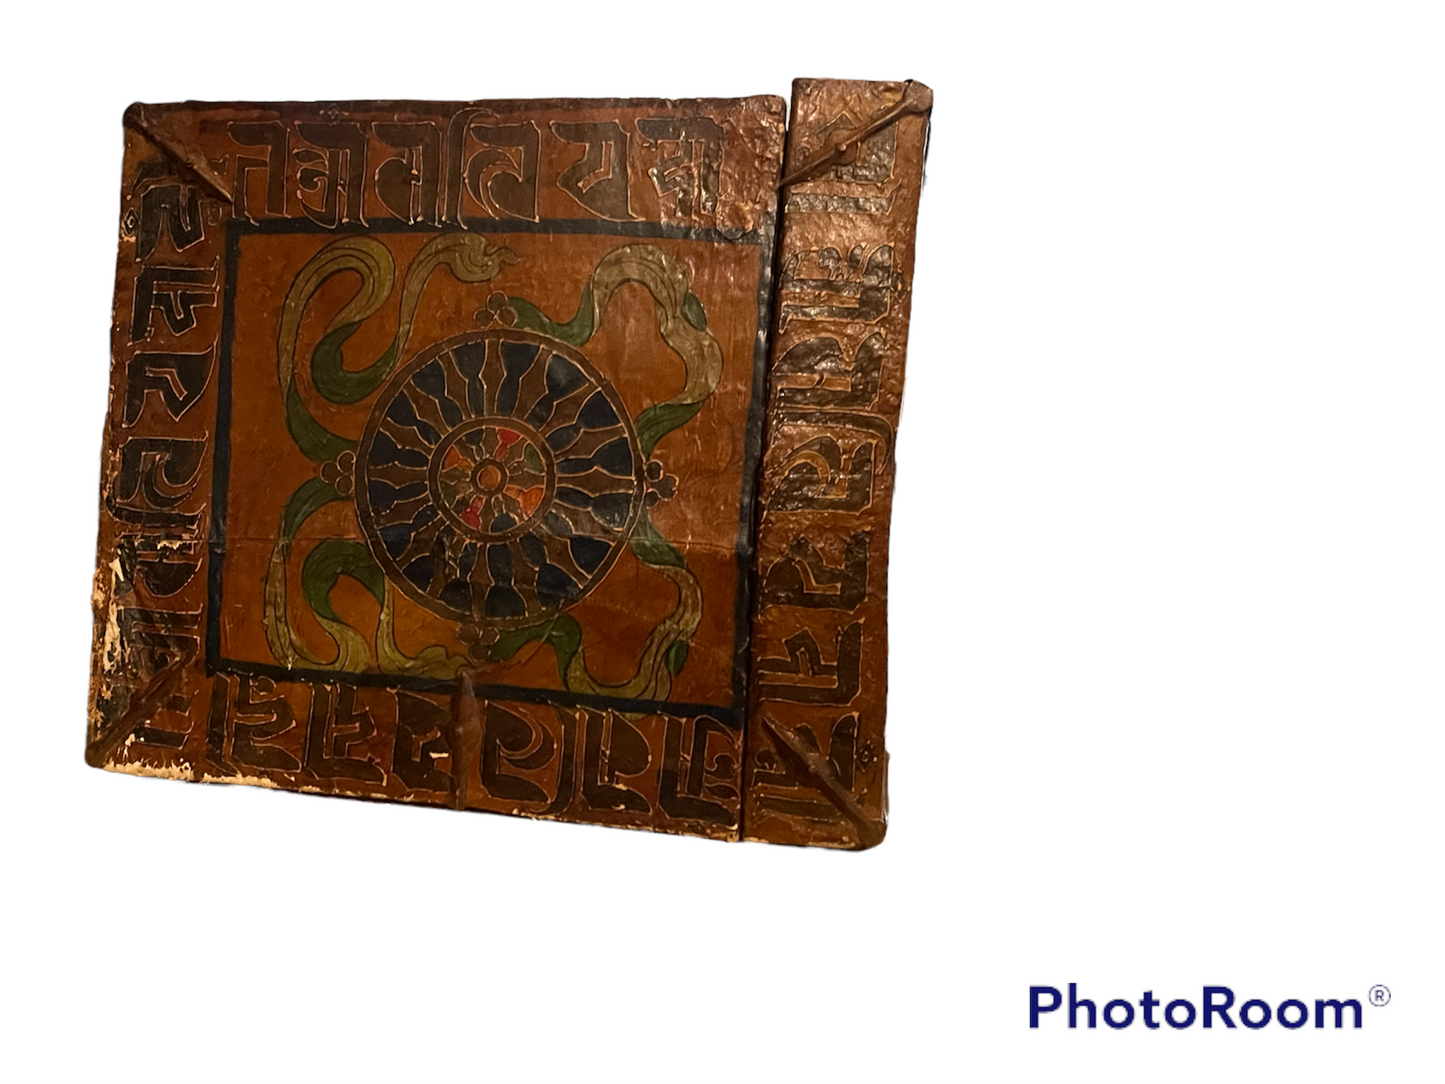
{"x": 499, "y": 476}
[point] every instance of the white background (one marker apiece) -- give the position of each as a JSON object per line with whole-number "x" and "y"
{"x": 1168, "y": 589}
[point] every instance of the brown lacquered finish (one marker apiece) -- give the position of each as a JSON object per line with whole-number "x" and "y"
{"x": 431, "y": 463}
{"x": 817, "y": 771}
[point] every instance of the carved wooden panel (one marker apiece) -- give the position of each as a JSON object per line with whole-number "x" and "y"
{"x": 817, "y": 772}
{"x": 434, "y": 446}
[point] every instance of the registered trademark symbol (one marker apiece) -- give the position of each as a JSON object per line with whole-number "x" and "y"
{"x": 1379, "y": 995}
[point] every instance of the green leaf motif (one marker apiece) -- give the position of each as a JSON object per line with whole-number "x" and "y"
{"x": 561, "y": 633}
{"x": 338, "y": 383}
{"x": 328, "y": 562}
{"x": 677, "y": 656}
{"x": 656, "y": 422}
{"x": 316, "y": 442}
{"x": 693, "y": 311}
{"x": 309, "y": 496}
{"x": 651, "y": 548}
{"x": 574, "y": 333}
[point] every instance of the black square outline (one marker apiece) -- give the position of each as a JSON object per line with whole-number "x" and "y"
{"x": 732, "y": 714}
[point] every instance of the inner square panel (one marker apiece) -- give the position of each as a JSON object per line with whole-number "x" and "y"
{"x": 503, "y": 479}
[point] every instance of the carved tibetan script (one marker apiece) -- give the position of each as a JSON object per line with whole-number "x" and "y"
{"x": 530, "y": 457}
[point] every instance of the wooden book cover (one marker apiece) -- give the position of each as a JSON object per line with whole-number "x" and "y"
{"x": 434, "y": 446}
